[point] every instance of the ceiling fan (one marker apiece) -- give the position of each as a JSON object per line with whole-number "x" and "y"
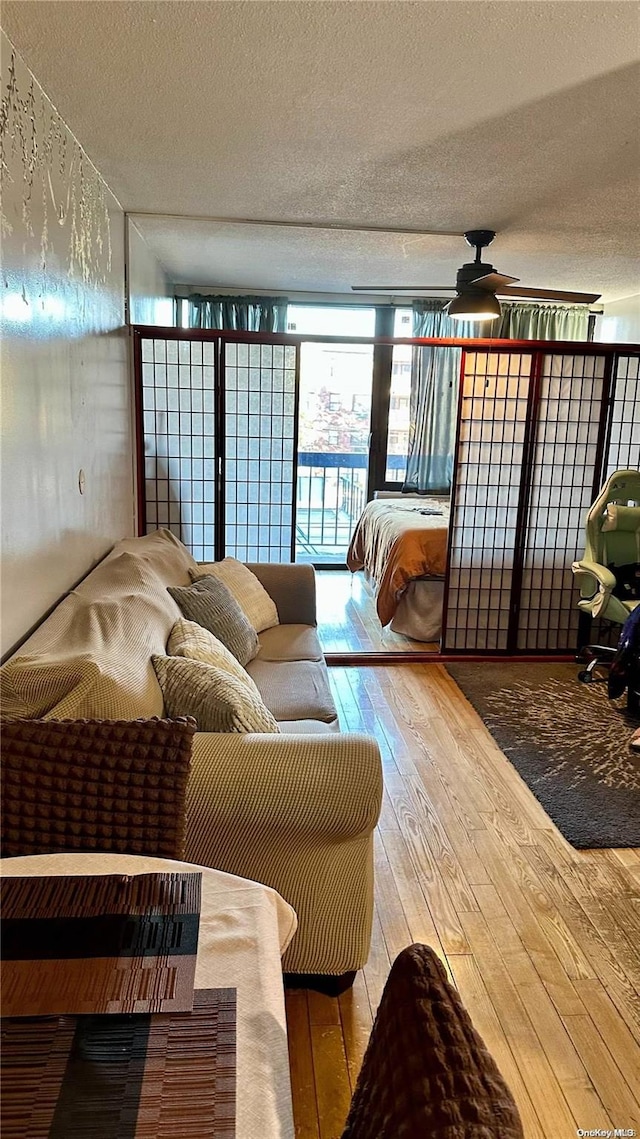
{"x": 478, "y": 286}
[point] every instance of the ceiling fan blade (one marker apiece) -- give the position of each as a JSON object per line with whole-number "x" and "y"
{"x": 403, "y": 288}
{"x": 493, "y": 282}
{"x": 549, "y": 295}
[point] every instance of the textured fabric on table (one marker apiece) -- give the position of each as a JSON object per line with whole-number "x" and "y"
{"x": 208, "y": 602}
{"x": 104, "y": 945}
{"x": 146, "y": 1062}
{"x": 256, "y": 604}
{"x": 219, "y": 701}
{"x": 426, "y": 1071}
{"x": 95, "y": 785}
{"x": 193, "y": 641}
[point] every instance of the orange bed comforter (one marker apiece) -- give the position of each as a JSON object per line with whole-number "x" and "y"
{"x": 396, "y": 541}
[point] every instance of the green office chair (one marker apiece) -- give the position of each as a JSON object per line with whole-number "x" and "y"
{"x": 609, "y": 573}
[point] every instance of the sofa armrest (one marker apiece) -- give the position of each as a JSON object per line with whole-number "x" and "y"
{"x": 292, "y": 587}
{"x": 263, "y": 787}
{"x": 297, "y": 813}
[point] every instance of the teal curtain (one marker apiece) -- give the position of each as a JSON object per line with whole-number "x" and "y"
{"x": 542, "y": 322}
{"x": 435, "y": 375}
{"x": 242, "y": 314}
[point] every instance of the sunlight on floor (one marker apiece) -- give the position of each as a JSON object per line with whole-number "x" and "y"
{"x": 347, "y": 618}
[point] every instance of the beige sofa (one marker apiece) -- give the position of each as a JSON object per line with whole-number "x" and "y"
{"x": 294, "y": 810}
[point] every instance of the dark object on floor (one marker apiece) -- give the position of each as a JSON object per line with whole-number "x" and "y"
{"x": 330, "y": 984}
{"x": 568, "y": 742}
{"x": 624, "y": 672}
{"x": 109, "y": 785}
{"x": 426, "y": 1071}
{"x": 623, "y": 663}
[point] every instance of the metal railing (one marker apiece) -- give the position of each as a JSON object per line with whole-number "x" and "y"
{"x": 331, "y": 494}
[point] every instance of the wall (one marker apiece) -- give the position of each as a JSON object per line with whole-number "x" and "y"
{"x": 150, "y": 293}
{"x": 66, "y": 392}
{"x": 620, "y": 322}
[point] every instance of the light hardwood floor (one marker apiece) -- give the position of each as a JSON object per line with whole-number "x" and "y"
{"x": 347, "y": 618}
{"x": 540, "y": 939}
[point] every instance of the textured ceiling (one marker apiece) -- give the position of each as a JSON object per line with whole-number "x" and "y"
{"x": 521, "y": 117}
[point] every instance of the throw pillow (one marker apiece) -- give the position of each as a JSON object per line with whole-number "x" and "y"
{"x": 256, "y": 604}
{"x": 218, "y": 701}
{"x": 190, "y": 640}
{"x": 208, "y": 602}
{"x": 107, "y": 785}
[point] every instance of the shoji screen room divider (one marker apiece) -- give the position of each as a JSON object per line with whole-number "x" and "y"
{"x": 217, "y": 441}
{"x": 538, "y": 433}
{"x": 540, "y": 427}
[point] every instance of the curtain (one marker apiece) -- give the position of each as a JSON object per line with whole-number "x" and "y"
{"x": 542, "y": 322}
{"x": 435, "y": 374}
{"x": 243, "y": 314}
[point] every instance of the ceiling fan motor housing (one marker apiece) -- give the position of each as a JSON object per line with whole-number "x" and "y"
{"x": 470, "y": 272}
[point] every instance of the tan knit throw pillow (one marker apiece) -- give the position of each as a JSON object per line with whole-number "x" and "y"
{"x": 188, "y": 639}
{"x": 218, "y": 701}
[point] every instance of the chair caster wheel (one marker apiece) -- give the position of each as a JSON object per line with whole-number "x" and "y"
{"x": 586, "y": 677}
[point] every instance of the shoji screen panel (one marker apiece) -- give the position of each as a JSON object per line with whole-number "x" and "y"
{"x": 490, "y": 447}
{"x": 178, "y": 429}
{"x": 624, "y": 436}
{"x": 260, "y": 409}
{"x": 565, "y": 463}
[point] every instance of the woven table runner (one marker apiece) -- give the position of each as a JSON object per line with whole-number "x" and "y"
{"x": 122, "y": 1077}
{"x": 104, "y": 943}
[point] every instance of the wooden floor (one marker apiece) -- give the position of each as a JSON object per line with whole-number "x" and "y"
{"x": 540, "y": 939}
{"x": 347, "y": 618}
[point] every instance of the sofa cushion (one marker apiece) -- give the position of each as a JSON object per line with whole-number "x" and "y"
{"x": 259, "y": 609}
{"x": 188, "y": 639}
{"x": 289, "y": 642}
{"x": 217, "y": 700}
{"x": 209, "y": 603}
{"x": 294, "y": 690}
{"x": 95, "y": 785}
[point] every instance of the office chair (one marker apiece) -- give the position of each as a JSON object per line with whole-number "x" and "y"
{"x": 609, "y": 573}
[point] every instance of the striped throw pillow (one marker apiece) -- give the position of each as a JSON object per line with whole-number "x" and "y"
{"x": 256, "y": 604}
{"x": 209, "y": 603}
{"x": 218, "y": 701}
{"x": 193, "y": 641}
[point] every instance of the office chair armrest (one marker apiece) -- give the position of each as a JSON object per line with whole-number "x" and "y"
{"x": 596, "y": 584}
{"x": 602, "y": 575}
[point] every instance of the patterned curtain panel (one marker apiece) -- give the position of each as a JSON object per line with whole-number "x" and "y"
{"x": 542, "y": 322}
{"x": 435, "y": 376}
{"x": 241, "y": 314}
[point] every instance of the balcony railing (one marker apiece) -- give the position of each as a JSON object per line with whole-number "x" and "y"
{"x": 331, "y": 494}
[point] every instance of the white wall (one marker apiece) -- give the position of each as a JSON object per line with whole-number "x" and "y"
{"x": 66, "y": 392}
{"x": 150, "y": 293}
{"x": 620, "y": 322}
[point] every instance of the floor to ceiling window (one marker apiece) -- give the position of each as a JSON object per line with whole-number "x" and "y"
{"x": 333, "y": 429}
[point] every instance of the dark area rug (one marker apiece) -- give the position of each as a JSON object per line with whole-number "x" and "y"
{"x": 569, "y": 743}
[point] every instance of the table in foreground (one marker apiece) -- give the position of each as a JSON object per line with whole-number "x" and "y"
{"x": 244, "y": 929}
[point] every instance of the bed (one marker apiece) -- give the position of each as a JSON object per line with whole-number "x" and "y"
{"x": 401, "y": 544}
